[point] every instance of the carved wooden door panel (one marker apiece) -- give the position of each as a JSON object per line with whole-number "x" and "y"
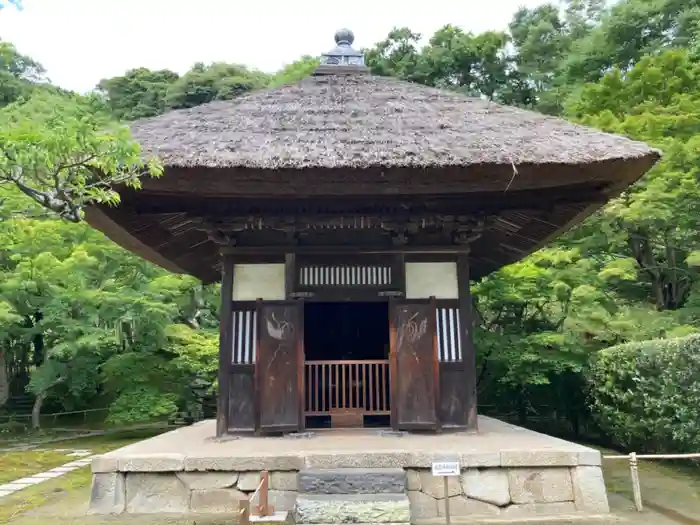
{"x": 279, "y": 366}
{"x": 414, "y": 363}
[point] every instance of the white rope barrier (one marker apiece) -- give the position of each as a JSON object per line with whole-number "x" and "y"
{"x": 633, "y": 459}
{"x": 657, "y": 456}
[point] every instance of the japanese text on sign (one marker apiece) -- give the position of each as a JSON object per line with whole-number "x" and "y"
{"x": 445, "y": 468}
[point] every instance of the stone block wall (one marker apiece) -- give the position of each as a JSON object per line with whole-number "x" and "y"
{"x": 504, "y": 487}
{"x": 503, "y": 492}
{"x": 185, "y": 492}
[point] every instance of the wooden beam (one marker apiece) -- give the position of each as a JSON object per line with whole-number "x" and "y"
{"x": 466, "y": 322}
{"x": 445, "y": 202}
{"x": 225, "y": 344}
{"x": 338, "y": 249}
{"x": 252, "y": 183}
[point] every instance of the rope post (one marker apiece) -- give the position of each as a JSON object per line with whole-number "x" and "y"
{"x": 263, "y": 506}
{"x": 636, "y": 487}
{"x": 244, "y": 511}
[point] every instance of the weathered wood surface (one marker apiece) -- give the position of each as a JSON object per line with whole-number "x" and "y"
{"x": 383, "y": 181}
{"x": 225, "y": 344}
{"x": 466, "y": 321}
{"x": 239, "y": 367}
{"x": 453, "y": 395}
{"x": 241, "y": 402}
{"x": 416, "y": 374}
{"x": 172, "y": 224}
{"x": 279, "y": 366}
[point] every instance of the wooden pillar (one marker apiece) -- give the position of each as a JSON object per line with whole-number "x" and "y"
{"x": 289, "y": 275}
{"x": 398, "y": 276}
{"x": 225, "y": 344}
{"x": 466, "y": 321}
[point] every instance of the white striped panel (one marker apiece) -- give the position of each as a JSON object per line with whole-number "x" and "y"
{"x": 449, "y": 335}
{"x": 345, "y": 276}
{"x": 244, "y": 337}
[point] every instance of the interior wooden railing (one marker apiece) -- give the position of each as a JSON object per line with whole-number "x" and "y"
{"x": 352, "y": 385}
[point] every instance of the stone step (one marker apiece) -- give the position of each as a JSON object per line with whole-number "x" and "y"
{"x": 352, "y": 508}
{"x": 353, "y": 481}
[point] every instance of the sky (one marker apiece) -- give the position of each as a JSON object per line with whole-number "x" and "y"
{"x": 80, "y": 42}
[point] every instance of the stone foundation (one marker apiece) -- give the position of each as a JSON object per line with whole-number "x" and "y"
{"x": 478, "y": 492}
{"x": 509, "y": 492}
{"x": 186, "y": 472}
{"x": 185, "y": 492}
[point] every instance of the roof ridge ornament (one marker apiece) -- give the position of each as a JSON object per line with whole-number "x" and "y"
{"x": 343, "y": 59}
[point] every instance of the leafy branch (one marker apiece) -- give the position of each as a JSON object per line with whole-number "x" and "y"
{"x": 64, "y": 155}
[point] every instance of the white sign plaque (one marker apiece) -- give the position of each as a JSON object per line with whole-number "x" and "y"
{"x": 446, "y": 468}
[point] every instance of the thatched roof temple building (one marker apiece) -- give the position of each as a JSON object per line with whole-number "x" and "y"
{"x": 345, "y": 215}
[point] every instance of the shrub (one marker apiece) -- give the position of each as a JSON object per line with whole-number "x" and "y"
{"x": 646, "y": 396}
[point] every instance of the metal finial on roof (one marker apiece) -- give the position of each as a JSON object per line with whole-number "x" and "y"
{"x": 342, "y": 58}
{"x": 344, "y": 37}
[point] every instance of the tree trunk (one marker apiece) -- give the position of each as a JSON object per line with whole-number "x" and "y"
{"x": 4, "y": 381}
{"x": 36, "y": 410}
{"x": 643, "y": 253}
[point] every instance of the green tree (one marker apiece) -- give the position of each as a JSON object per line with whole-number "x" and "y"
{"x": 477, "y": 65}
{"x": 64, "y": 155}
{"x": 542, "y": 39}
{"x": 655, "y": 223}
{"x": 18, "y": 74}
{"x": 137, "y": 94}
{"x": 582, "y": 16}
{"x": 218, "y": 81}
{"x": 629, "y": 30}
{"x": 397, "y": 55}
{"x": 297, "y": 70}
{"x": 84, "y": 320}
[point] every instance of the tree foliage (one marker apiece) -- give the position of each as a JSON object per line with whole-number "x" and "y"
{"x": 658, "y": 102}
{"x": 64, "y": 154}
{"x": 86, "y": 320}
{"x": 19, "y": 74}
{"x": 218, "y": 81}
{"x": 140, "y": 93}
{"x": 476, "y": 65}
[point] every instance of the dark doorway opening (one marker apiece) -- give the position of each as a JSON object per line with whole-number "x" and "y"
{"x": 346, "y": 346}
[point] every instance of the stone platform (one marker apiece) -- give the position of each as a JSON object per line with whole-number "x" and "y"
{"x": 509, "y": 475}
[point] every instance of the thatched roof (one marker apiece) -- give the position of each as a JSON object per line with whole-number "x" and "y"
{"x": 345, "y": 143}
{"x": 363, "y": 121}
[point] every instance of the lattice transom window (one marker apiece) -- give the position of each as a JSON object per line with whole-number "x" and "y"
{"x": 345, "y": 275}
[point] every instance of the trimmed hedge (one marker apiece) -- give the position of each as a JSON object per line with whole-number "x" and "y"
{"x": 646, "y": 396}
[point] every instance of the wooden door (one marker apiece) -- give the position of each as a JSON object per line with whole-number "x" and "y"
{"x": 241, "y": 377}
{"x": 279, "y": 366}
{"x": 414, "y": 365}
